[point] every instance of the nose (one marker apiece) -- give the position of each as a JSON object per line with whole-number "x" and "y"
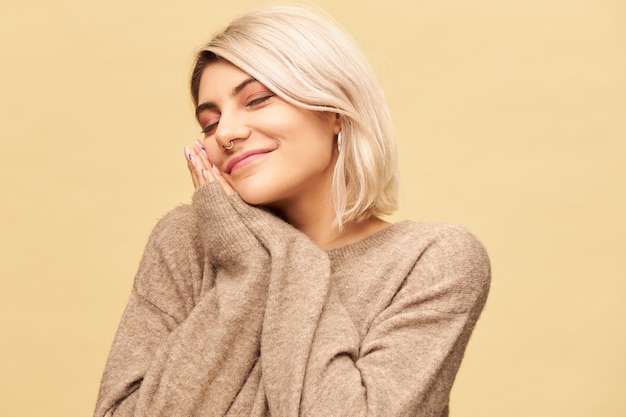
{"x": 231, "y": 127}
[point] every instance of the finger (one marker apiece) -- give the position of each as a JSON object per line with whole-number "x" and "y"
{"x": 196, "y": 178}
{"x": 202, "y": 154}
{"x": 228, "y": 189}
{"x": 201, "y": 166}
{"x": 208, "y": 175}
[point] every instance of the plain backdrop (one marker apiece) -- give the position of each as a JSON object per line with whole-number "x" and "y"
{"x": 510, "y": 119}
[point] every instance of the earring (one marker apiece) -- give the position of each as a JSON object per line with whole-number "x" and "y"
{"x": 339, "y": 141}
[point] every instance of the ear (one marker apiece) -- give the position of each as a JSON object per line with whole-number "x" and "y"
{"x": 337, "y": 124}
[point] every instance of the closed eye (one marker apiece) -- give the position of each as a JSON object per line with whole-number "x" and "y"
{"x": 257, "y": 101}
{"x": 209, "y": 128}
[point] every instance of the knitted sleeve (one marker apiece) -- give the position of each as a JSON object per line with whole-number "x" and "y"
{"x": 152, "y": 311}
{"x": 190, "y": 333}
{"x": 407, "y": 361}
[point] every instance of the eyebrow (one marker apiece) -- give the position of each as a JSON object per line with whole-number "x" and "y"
{"x": 238, "y": 89}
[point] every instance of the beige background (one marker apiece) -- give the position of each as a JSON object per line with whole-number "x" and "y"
{"x": 510, "y": 117}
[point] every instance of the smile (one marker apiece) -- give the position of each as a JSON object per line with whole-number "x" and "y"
{"x": 246, "y": 158}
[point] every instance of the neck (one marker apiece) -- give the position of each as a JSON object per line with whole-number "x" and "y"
{"x": 320, "y": 226}
{"x": 317, "y": 221}
{"x": 323, "y": 231}
{"x": 313, "y": 214}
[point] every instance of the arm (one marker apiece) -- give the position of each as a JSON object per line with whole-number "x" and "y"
{"x": 161, "y": 298}
{"x": 407, "y": 361}
{"x": 179, "y": 349}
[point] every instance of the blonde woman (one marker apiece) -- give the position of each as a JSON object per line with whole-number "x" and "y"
{"x": 280, "y": 291}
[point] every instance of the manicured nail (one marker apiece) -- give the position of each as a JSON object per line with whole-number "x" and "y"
{"x": 217, "y": 171}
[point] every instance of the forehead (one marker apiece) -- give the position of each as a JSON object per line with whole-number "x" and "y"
{"x": 219, "y": 78}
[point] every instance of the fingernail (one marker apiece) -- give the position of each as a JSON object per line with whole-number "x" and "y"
{"x": 217, "y": 171}
{"x": 187, "y": 153}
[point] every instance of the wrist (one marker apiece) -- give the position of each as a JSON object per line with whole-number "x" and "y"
{"x": 224, "y": 232}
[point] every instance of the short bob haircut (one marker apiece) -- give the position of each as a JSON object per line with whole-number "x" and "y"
{"x": 309, "y": 62}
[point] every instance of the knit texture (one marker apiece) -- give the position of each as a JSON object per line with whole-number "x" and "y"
{"x": 236, "y": 313}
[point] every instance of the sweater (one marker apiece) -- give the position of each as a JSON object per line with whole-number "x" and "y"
{"x": 234, "y": 312}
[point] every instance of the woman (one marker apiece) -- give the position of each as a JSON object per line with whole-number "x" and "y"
{"x": 280, "y": 291}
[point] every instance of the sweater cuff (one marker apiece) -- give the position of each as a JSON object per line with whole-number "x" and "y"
{"x": 272, "y": 231}
{"x": 223, "y": 231}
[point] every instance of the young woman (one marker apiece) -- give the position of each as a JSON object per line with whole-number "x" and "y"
{"x": 280, "y": 291}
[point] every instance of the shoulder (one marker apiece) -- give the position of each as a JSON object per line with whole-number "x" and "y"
{"x": 178, "y": 220}
{"x": 458, "y": 246}
{"x": 451, "y": 260}
{"x": 177, "y": 230}
{"x": 175, "y": 239}
{"x": 450, "y": 239}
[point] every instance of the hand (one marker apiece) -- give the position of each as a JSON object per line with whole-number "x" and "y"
{"x": 202, "y": 170}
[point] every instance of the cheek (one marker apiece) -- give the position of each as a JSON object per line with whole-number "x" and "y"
{"x": 213, "y": 151}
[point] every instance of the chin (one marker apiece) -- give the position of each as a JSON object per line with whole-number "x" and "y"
{"x": 254, "y": 196}
{"x": 253, "y": 200}
{"x": 258, "y": 190}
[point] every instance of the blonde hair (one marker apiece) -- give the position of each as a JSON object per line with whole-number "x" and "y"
{"x": 311, "y": 63}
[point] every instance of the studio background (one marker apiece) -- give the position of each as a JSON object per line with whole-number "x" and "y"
{"x": 510, "y": 119}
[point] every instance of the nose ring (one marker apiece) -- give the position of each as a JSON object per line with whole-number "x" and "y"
{"x": 228, "y": 147}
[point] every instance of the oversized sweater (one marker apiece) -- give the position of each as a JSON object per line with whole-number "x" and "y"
{"x": 234, "y": 312}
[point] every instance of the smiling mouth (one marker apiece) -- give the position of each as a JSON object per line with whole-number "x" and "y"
{"x": 246, "y": 159}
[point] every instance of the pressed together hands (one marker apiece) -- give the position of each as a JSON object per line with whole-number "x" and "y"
{"x": 202, "y": 170}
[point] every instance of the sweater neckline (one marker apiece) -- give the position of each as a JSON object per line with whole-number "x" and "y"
{"x": 360, "y": 246}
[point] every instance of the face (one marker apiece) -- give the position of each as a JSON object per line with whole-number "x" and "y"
{"x": 281, "y": 154}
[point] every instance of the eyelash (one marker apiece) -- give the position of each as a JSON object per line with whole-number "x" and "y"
{"x": 208, "y": 128}
{"x": 251, "y": 103}
{"x": 259, "y": 100}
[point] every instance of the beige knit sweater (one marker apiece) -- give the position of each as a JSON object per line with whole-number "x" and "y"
{"x": 235, "y": 313}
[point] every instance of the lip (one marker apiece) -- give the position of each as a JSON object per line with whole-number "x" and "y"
{"x": 241, "y": 160}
